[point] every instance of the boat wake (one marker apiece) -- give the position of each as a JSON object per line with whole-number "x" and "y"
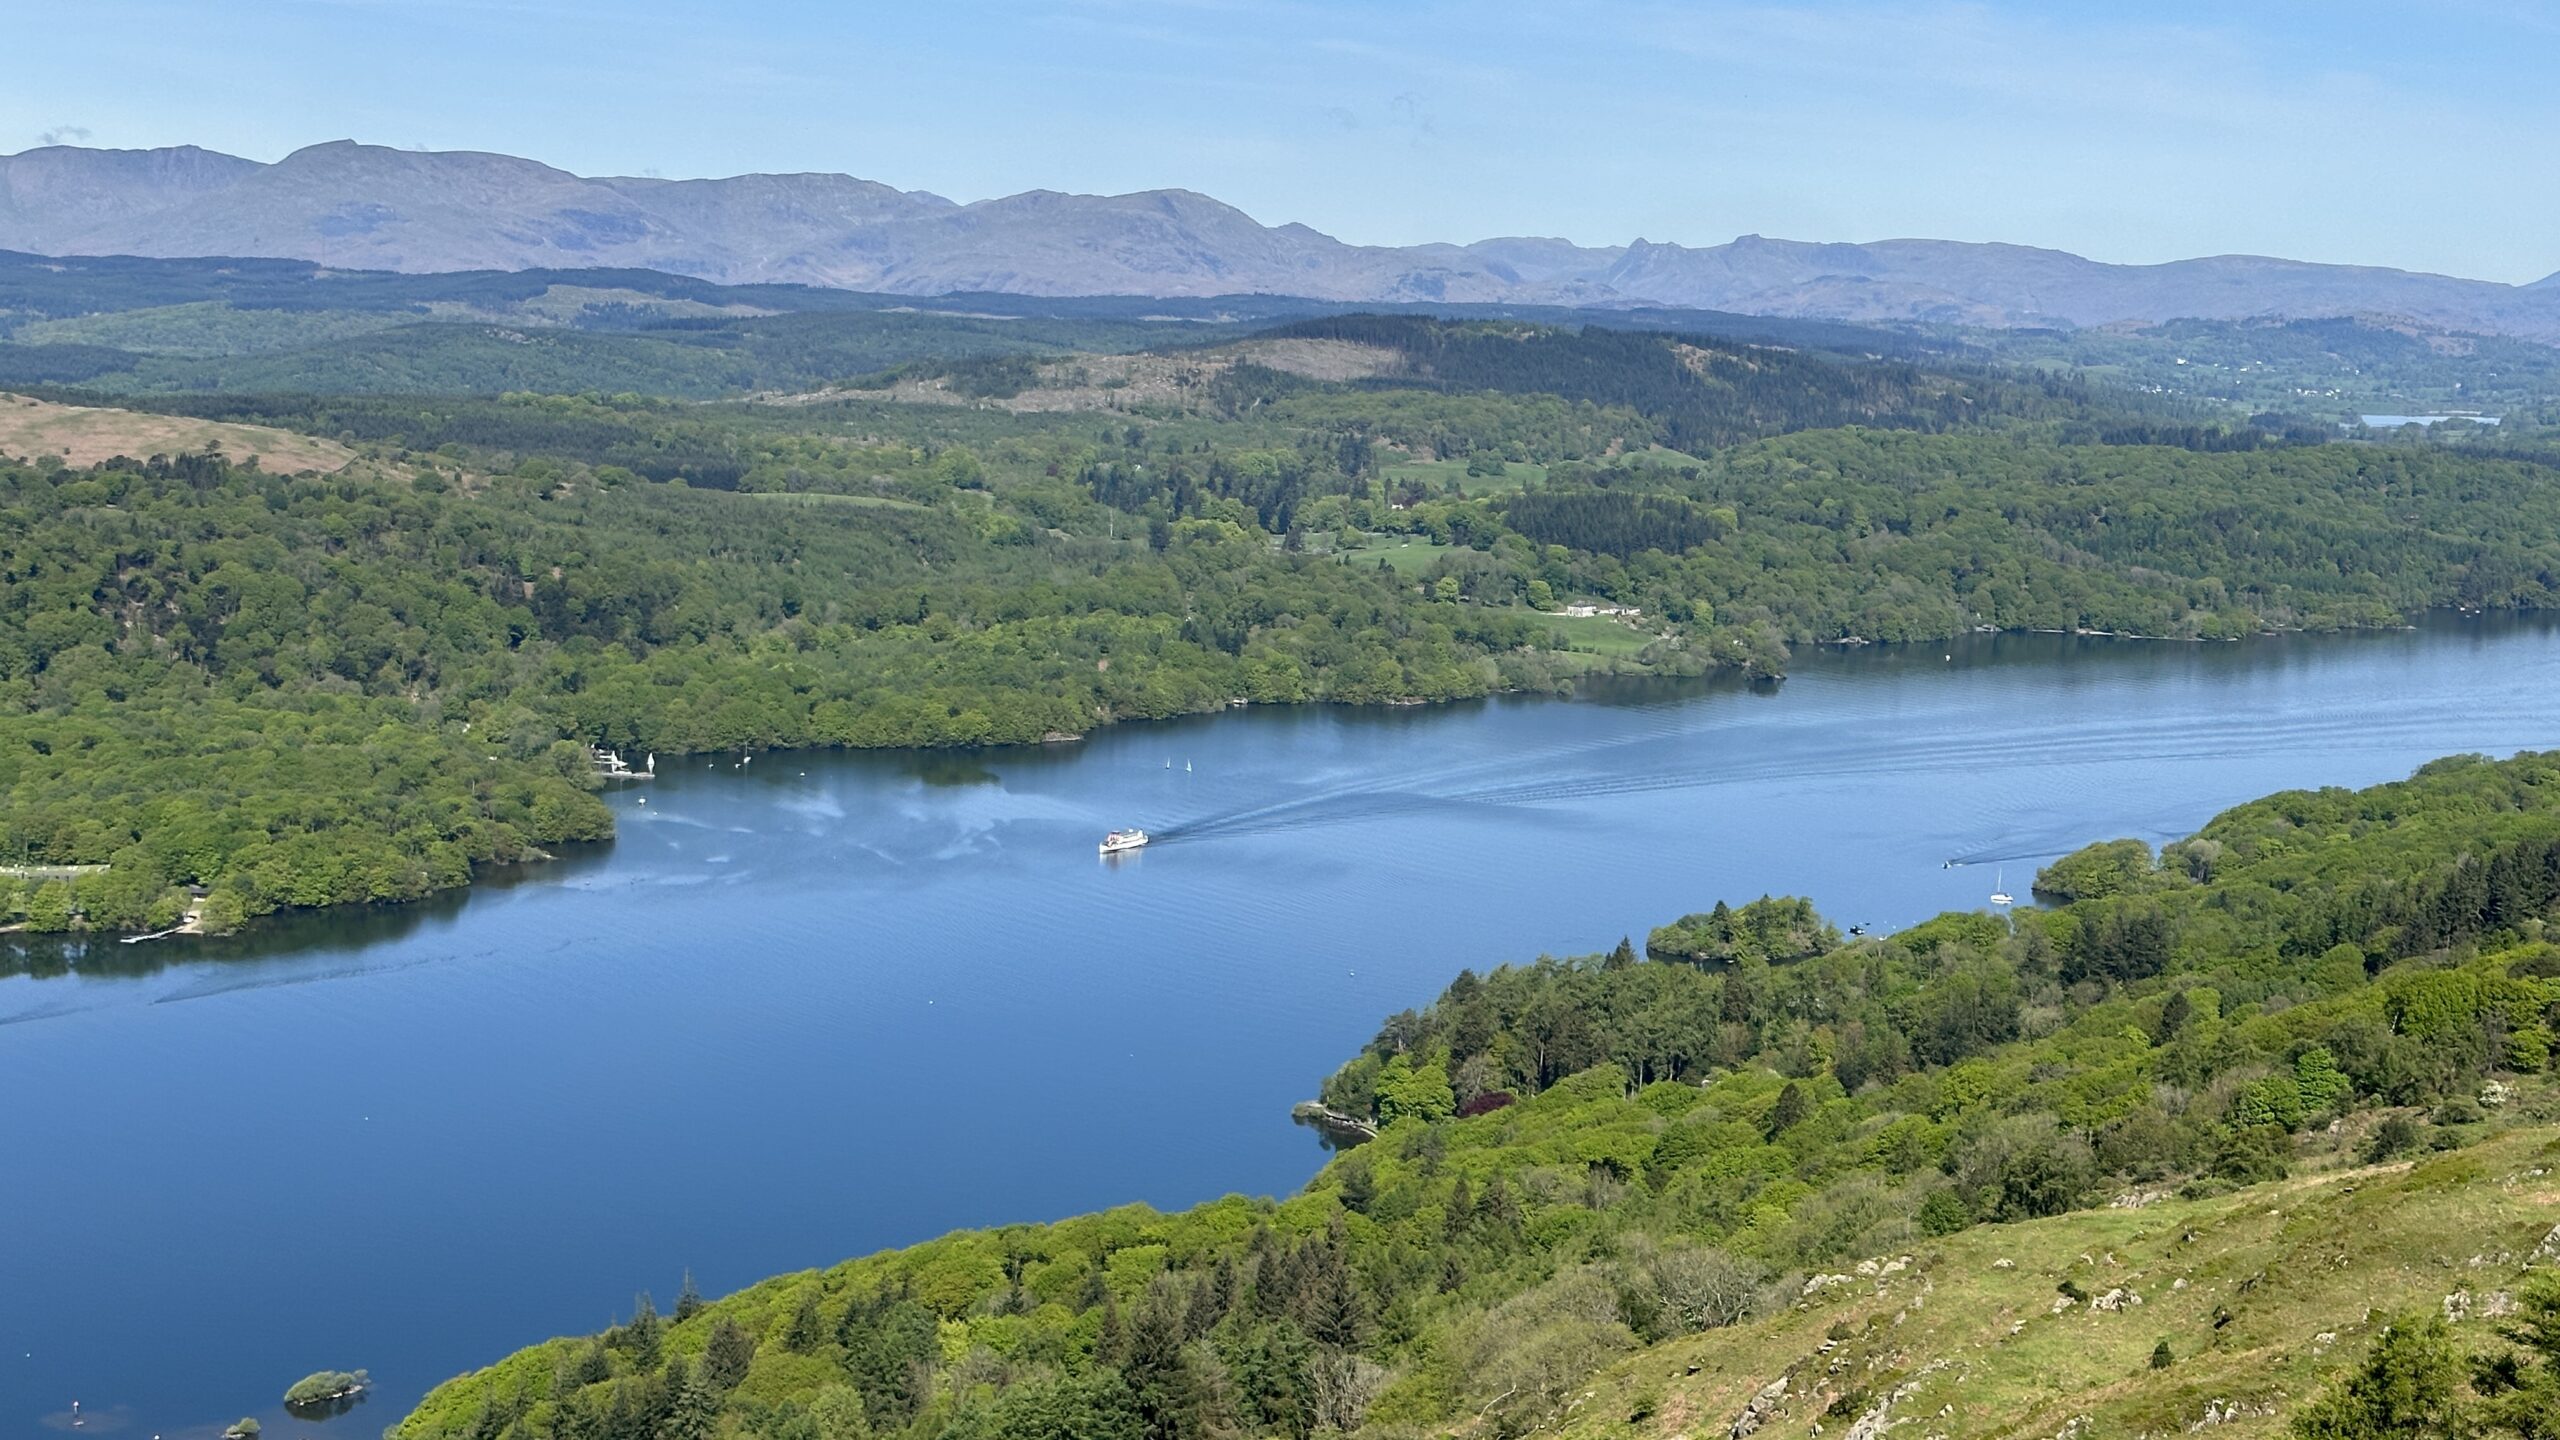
{"x": 1677, "y": 757}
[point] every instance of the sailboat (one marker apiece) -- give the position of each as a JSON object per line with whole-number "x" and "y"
{"x": 1999, "y": 889}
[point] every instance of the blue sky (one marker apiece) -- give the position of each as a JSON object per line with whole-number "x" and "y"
{"x": 2421, "y": 136}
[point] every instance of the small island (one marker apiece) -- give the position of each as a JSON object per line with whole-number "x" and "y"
{"x": 322, "y": 1389}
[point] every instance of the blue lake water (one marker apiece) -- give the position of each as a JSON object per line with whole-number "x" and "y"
{"x": 824, "y": 1003}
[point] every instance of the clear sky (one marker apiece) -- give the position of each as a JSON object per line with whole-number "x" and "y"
{"x": 2417, "y": 135}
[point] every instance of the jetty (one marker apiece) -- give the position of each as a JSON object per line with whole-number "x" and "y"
{"x": 1333, "y": 1122}
{"x": 191, "y": 923}
{"x": 609, "y": 765}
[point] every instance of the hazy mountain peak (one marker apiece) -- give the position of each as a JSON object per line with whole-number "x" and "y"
{"x": 349, "y": 204}
{"x": 60, "y": 190}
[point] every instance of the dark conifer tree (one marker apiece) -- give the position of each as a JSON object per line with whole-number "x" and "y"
{"x": 1111, "y": 1345}
{"x": 1791, "y": 1110}
{"x": 806, "y": 1329}
{"x": 726, "y": 1354}
{"x": 642, "y": 1336}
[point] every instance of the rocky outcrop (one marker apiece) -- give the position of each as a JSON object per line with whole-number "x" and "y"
{"x": 1763, "y": 1405}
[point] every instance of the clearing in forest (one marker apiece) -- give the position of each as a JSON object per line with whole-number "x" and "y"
{"x": 88, "y": 435}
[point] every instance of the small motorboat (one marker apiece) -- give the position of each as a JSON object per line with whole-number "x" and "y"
{"x": 1121, "y": 842}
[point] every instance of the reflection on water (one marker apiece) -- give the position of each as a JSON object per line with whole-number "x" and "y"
{"x": 337, "y": 934}
{"x": 940, "y": 769}
{"x": 329, "y": 1409}
{"x": 820, "y": 1003}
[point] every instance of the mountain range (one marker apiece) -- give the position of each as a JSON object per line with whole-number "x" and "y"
{"x": 357, "y": 206}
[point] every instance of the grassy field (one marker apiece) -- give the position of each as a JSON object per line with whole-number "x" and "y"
{"x": 2264, "y": 1296}
{"x": 1436, "y": 473}
{"x": 1665, "y": 455}
{"x": 1410, "y": 555}
{"x": 822, "y": 498}
{"x": 1599, "y": 634}
{"x": 87, "y": 435}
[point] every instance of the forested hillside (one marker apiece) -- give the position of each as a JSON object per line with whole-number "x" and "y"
{"x": 128, "y": 326}
{"x": 1696, "y": 393}
{"x": 311, "y": 690}
{"x": 1862, "y": 1168}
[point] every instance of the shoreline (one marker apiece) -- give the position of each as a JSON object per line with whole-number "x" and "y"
{"x": 1317, "y": 1115}
{"x": 1054, "y": 741}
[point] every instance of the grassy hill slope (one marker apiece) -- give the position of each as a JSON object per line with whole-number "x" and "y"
{"x": 2265, "y": 1297}
{"x": 94, "y": 434}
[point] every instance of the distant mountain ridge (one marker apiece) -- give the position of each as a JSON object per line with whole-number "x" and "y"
{"x": 371, "y": 207}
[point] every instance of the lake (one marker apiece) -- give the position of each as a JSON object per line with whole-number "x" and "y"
{"x": 817, "y": 1004}
{"x": 2395, "y": 422}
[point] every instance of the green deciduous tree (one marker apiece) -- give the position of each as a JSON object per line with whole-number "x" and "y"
{"x": 2406, "y": 1389}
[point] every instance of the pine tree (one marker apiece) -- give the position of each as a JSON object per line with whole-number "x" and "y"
{"x": 693, "y": 1411}
{"x": 642, "y": 1336}
{"x": 1170, "y": 1397}
{"x": 807, "y": 1328}
{"x": 1275, "y": 1275}
{"x": 1739, "y": 1001}
{"x": 1335, "y": 1313}
{"x": 1792, "y": 1109}
{"x": 1496, "y": 1214}
{"x": 1228, "y": 1280}
{"x": 666, "y": 1390}
{"x": 1202, "y": 1311}
{"x": 591, "y": 1366}
{"x": 623, "y": 1419}
{"x": 1110, "y": 1346}
{"x": 2174, "y": 1013}
{"x": 688, "y": 1300}
{"x": 1459, "y": 1214}
{"x": 726, "y": 1354}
